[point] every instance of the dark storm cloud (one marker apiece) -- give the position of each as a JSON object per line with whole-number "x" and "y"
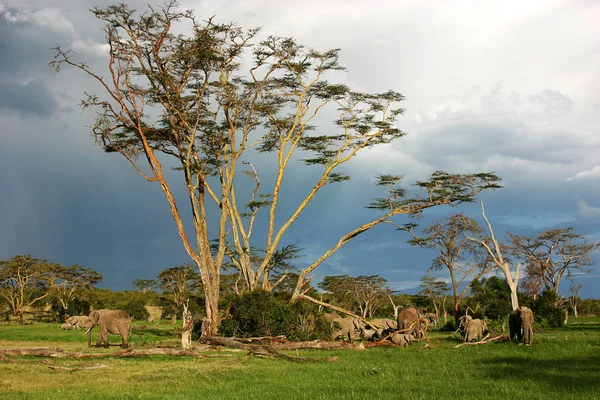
{"x": 33, "y": 98}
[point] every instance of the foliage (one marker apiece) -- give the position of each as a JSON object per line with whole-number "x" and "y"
{"x": 145, "y": 285}
{"x": 363, "y": 293}
{"x": 178, "y": 282}
{"x": 551, "y": 255}
{"x": 25, "y": 280}
{"x": 493, "y": 295}
{"x": 462, "y": 257}
{"x": 71, "y": 282}
{"x": 550, "y": 307}
{"x": 259, "y": 313}
{"x": 435, "y": 289}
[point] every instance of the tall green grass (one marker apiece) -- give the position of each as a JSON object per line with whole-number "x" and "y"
{"x": 562, "y": 364}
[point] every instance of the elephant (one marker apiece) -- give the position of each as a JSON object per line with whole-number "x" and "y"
{"x": 474, "y": 329}
{"x": 462, "y": 325}
{"x": 384, "y": 323}
{"x": 411, "y": 317}
{"x": 402, "y": 340}
{"x": 117, "y": 322}
{"x": 78, "y": 321}
{"x": 432, "y": 318}
{"x": 348, "y": 326}
{"x": 66, "y": 326}
{"x": 332, "y": 316}
{"x": 369, "y": 334}
{"x": 520, "y": 323}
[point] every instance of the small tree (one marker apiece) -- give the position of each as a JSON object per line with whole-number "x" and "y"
{"x": 435, "y": 289}
{"x": 176, "y": 282}
{"x": 554, "y": 254}
{"x": 71, "y": 282}
{"x": 144, "y": 285}
{"x": 532, "y": 282}
{"x": 25, "y": 280}
{"x": 366, "y": 293}
{"x": 463, "y": 258}
{"x": 574, "y": 291}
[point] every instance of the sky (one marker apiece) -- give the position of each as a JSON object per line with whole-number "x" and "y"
{"x": 508, "y": 87}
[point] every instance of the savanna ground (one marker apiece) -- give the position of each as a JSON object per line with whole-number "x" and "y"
{"x": 562, "y": 364}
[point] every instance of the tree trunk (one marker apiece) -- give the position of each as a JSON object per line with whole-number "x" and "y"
{"x": 210, "y": 324}
{"x": 187, "y": 328}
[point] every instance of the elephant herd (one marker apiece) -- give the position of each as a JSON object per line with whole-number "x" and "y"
{"x": 408, "y": 327}
{"x": 117, "y": 322}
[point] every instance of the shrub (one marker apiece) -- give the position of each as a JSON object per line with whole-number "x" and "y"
{"x": 259, "y": 313}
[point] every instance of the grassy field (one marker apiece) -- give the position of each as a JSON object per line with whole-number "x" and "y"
{"x": 563, "y": 363}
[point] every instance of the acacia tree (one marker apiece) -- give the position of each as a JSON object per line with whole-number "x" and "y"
{"x": 211, "y": 98}
{"x": 436, "y": 289}
{"x": 574, "y": 292}
{"x": 144, "y": 285}
{"x": 24, "y": 281}
{"x": 367, "y": 293}
{"x": 532, "y": 282}
{"x": 460, "y": 256}
{"x": 554, "y": 253}
{"x": 177, "y": 282}
{"x": 71, "y": 281}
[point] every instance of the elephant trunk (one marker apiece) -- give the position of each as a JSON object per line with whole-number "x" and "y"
{"x": 89, "y": 335}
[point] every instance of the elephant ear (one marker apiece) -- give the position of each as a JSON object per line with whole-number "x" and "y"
{"x": 94, "y": 316}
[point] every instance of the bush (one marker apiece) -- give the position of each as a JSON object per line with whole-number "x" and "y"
{"x": 259, "y": 313}
{"x": 550, "y": 308}
{"x": 135, "y": 308}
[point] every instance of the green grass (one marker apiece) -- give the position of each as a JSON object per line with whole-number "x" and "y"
{"x": 563, "y": 363}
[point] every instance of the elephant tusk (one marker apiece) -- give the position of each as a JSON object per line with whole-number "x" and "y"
{"x": 88, "y": 331}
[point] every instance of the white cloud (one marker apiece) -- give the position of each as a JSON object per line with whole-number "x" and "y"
{"x": 46, "y": 18}
{"x": 585, "y": 210}
{"x": 592, "y": 173}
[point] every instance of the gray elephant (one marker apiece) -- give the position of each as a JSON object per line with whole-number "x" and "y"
{"x": 402, "y": 340}
{"x": 384, "y": 323}
{"x": 462, "y": 325}
{"x": 474, "y": 330}
{"x": 411, "y": 317}
{"x": 348, "y": 328}
{"x": 117, "y": 322}
{"x": 520, "y": 323}
{"x": 432, "y": 318}
{"x": 78, "y": 321}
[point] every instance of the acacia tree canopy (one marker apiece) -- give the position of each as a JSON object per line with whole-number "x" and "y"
{"x": 211, "y": 96}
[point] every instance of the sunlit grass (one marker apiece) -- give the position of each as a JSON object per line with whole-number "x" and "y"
{"x": 562, "y": 363}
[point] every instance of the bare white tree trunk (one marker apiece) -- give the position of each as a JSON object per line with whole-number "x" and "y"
{"x": 495, "y": 253}
{"x": 187, "y": 328}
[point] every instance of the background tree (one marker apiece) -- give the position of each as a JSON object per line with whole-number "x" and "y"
{"x": 71, "y": 282}
{"x": 176, "y": 283}
{"x": 463, "y": 258}
{"x": 492, "y": 295}
{"x": 435, "y": 289}
{"x": 144, "y": 285}
{"x": 554, "y": 253}
{"x": 532, "y": 282}
{"x": 495, "y": 251}
{"x": 211, "y": 104}
{"x": 574, "y": 292}
{"x": 365, "y": 293}
{"x": 25, "y": 280}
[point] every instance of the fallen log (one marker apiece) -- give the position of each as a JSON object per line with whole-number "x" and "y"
{"x": 483, "y": 341}
{"x": 95, "y": 366}
{"x": 266, "y": 351}
{"x": 60, "y": 353}
{"x": 318, "y": 344}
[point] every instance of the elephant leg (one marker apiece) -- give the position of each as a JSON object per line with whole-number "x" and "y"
{"x": 104, "y": 336}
